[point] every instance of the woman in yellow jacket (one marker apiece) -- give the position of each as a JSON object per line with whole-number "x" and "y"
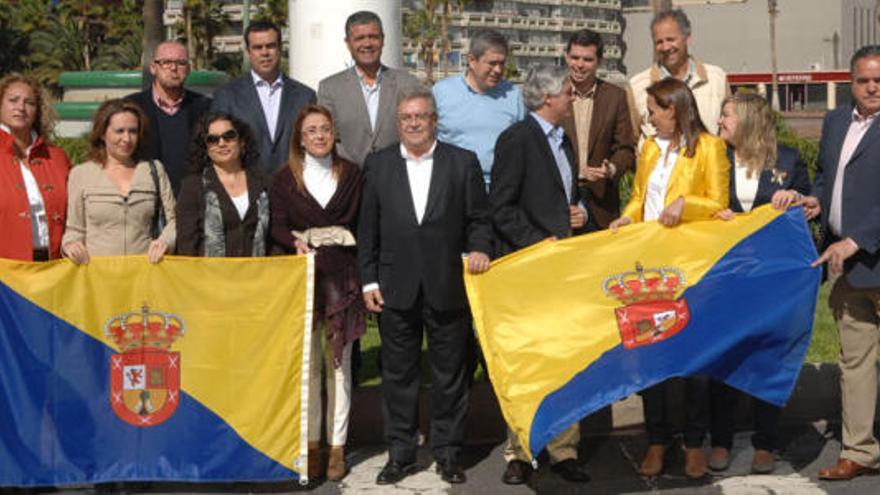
{"x": 682, "y": 175}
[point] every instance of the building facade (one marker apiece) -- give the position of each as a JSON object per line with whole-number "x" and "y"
{"x": 537, "y": 31}
{"x": 814, "y": 42}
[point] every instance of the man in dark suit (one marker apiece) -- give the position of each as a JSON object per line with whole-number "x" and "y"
{"x": 845, "y": 194}
{"x": 534, "y": 196}
{"x": 265, "y": 99}
{"x": 363, "y": 98}
{"x": 599, "y": 128}
{"x": 424, "y": 204}
{"x": 172, "y": 110}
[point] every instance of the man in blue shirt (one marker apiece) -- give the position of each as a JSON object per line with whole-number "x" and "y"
{"x": 475, "y": 107}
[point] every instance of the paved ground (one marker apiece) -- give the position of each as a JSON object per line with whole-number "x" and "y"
{"x": 611, "y": 460}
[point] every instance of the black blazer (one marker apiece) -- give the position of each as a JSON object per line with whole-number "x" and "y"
{"x": 191, "y": 214}
{"x": 788, "y": 173}
{"x": 171, "y": 144}
{"x": 239, "y": 98}
{"x": 861, "y": 201}
{"x": 403, "y": 255}
{"x": 526, "y": 198}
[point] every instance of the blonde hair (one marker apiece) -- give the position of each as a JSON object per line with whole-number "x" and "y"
{"x": 45, "y": 119}
{"x": 755, "y": 136}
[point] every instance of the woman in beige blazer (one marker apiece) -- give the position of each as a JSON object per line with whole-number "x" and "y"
{"x": 112, "y": 198}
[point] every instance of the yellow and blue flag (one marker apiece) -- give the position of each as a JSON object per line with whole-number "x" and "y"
{"x": 188, "y": 370}
{"x": 569, "y": 327}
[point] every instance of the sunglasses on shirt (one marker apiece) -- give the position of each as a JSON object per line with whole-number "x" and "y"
{"x": 213, "y": 139}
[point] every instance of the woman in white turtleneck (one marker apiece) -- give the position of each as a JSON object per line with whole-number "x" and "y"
{"x": 314, "y": 201}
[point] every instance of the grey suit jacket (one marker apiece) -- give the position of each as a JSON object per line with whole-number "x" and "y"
{"x": 342, "y": 94}
{"x": 239, "y": 98}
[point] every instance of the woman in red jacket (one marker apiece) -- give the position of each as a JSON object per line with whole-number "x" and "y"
{"x": 33, "y": 173}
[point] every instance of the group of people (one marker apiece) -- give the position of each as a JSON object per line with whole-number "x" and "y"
{"x": 390, "y": 183}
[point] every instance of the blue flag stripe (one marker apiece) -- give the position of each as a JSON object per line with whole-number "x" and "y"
{"x": 59, "y": 427}
{"x": 751, "y": 321}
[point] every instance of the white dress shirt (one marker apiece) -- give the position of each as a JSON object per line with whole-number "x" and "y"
{"x": 319, "y": 179}
{"x": 39, "y": 221}
{"x": 270, "y": 100}
{"x": 746, "y": 187}
{"x": 418, "y": 171}
{"x": 857, "y": 129}
{"x": 241, "y": 204}
{"x": 658, "y": 182}
{"x": 371, "y": 94}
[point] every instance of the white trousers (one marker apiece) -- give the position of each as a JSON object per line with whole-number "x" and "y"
{"x": 338, "y": 382}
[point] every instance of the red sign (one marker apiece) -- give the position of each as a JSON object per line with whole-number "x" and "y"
{"x": 789, "y": 77}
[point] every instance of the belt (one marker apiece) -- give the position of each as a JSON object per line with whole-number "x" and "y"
{"x": 41, "y": 254}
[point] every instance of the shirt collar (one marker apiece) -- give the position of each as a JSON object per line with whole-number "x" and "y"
{"x": 858, "y": 117}
{"x": 34, "y": 136}
{"x": 692, "y": 71}
{"x": 259, "y": 81}
{"x": 427, "y": 156}
{"x": 167, "y": 105}
{"x": 360, "y": 75}
{"x": 549, "y": 129}
{"x": 586, "y": 94}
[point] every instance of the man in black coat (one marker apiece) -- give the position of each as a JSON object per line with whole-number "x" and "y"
{"x": 424, "y": 204}
{"x": 264, "y": 98}
{"x": 533, "y": 197}
{"x": 171, "y": 109}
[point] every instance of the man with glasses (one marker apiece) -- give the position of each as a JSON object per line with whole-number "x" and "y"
{"x": 411, "y": 236}
{"x": 265, "y": 99}
{"x": 475, "y": 107}
{"x": 172, "y": 110}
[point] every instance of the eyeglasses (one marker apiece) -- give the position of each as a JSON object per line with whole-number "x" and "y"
{"x": 168, "y": 63}
{"x": 317, "y": 131}
{"x": 409, "y": 117}
{"x": 228, "y": 136}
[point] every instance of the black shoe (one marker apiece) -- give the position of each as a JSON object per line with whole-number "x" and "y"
{"x": 451, "y": 472}
{"x": 571, "y": 470}
{"x": 517, "y": 473}
{"x": 395, "y": 471}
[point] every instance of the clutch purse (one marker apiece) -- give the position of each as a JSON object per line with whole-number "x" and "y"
{"x": 325, "y": 236}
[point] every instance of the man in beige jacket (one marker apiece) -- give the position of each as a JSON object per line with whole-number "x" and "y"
{"x": 671, "y": 33}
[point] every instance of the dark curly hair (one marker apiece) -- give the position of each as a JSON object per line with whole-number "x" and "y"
{"x": 198, "y": 151}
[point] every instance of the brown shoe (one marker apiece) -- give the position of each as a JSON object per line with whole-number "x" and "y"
{"x": 845, "y": 469}
{"x": 764, "y": 462}
{"x": 694, "y": 463}
{"x": 652, "y": 464}
{"x": 719, "y": 459}
{"x": 336, "y": 463}
{"x": 315, "y": 468}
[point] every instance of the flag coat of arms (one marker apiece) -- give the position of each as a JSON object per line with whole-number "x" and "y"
{"x": 191, "y": 369}
{"x": 571, "y": 326}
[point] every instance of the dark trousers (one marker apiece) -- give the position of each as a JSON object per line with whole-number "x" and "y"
{"x": 724, "y": 402}
{"x": 448, "y": 337}
{"x": 656, "y": 401}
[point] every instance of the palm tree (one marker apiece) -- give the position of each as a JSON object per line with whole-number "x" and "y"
{"x": 153, "y": 34}
{"x": 422, "y": 27}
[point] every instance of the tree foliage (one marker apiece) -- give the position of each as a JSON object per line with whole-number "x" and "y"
{"x": 202, "y": 21}
{"x": 274, "y": 11}
{"x": 47, "y": 38}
